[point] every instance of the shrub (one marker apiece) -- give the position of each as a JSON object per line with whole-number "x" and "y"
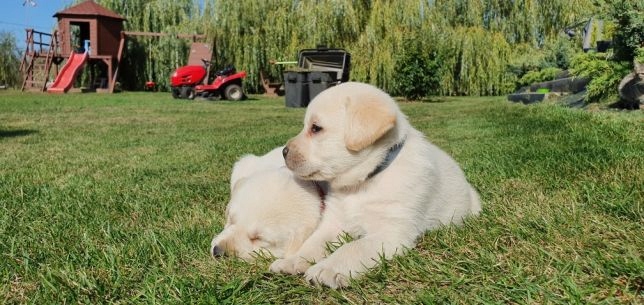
{"x": 416, "y": 75}
{"x": 531, "y": 64}
{"x": 604, "y": 74}
{"x": 629, "y": 22}
{"x": 639, "y": 55}
{"x": 539, "y": 76}
{"x": 559, "y": 53}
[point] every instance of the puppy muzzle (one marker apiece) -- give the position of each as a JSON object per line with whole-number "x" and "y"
{"x": 217, "y": 252}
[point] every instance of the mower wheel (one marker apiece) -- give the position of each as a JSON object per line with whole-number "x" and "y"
{"x": 175, "y": 93}
{"x": 191, "y": 93}
{"x": 187, "y": 92}
{"x": 233, "y": 92}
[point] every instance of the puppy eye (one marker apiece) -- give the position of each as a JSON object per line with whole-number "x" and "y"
{"x": 315, "y": 128}
{"x": 255, "y": 238}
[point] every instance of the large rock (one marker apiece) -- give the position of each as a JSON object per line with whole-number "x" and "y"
{"x": 575, "y": 100}
{"x": 538, "y": 92}
{"x": 563, "y": 85}
{"x": 527, "y": 97}
{"x": 631, "y": 88}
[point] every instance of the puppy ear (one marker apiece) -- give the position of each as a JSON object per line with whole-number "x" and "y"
{"x": 243, "y": 168}
{"x": 236, "y": 183}
{"x": 368, "y": 119}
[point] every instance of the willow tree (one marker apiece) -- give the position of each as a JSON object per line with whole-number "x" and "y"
{"x": 472, "y": 60}
{"x": 475, "y": 62}
{"x": 251, "y": 33}
{"x": 9, "y": 60}
{"x": 520, "y": 21}
{"x": 470, "y": 38}
{"x": 479, "y": 43}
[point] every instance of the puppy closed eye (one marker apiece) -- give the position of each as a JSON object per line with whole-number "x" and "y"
{"x": 255, "y": 238}
{"x": 260, "y": 241}
{"x": 315, "y": 128}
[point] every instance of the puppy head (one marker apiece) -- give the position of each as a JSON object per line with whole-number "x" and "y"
{"x": 268, "y": 211}
{"x": 249, "y": 165}
{"x": 342, "y": 126}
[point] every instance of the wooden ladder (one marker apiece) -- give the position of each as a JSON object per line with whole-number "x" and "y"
{"x": 38, "y": 59}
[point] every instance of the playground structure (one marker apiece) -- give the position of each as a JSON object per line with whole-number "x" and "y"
{"x": 41, "y": 55}
{"x": 87, "y": 34}
{"x": 65, "y": 79}
{"x": 84, "y": 28}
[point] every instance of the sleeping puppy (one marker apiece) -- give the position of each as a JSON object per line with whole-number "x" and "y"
{"x": 387, "y": 183}
{"x": 249, "y": 165}
{"x": 269, "y": 210}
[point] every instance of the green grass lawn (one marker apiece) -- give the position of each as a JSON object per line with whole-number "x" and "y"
{"x": 115, "y": 198}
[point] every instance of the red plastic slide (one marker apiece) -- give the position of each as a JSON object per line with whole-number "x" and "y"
{"x": 67, "y": 75}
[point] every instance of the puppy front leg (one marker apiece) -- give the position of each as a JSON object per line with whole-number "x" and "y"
{"x": 356, "y": 257}
{"x": 312, "y": 250}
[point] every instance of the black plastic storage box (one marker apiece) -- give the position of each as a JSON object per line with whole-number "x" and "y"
{"x": 318, "y": 81}
{"x": 296, "y": 87}
{"x": 318, "y": 69}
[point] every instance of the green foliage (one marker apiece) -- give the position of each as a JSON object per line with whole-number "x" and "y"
{"x": 639, "y": 55}
{"x": 525, "y": 58}
{"x": 531, "y": 64}
{"x": 558, "y": 52}
{"x": 604, "y": 74}
{"x": 418, "y": 71}
{"x": 625, "y": 21}
{"x": 609, "y": 30}
{"x": 469, "y": 47}
{"x": 9, "y": 60}
{"x": 539, "y": 76}
{"x": 521, "y": 21}
{"x": 474, "y": 40}
{"x": 479, "y": 63}
{"x": 628, "y": 17}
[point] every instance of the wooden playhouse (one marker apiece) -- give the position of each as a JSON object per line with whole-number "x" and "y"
{"x": 88, "y": 34}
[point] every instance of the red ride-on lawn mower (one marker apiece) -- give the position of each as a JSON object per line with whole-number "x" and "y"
{"x": 187, "y": 82}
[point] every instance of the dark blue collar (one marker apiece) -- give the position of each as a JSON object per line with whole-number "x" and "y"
{"x": 391, "y": 155}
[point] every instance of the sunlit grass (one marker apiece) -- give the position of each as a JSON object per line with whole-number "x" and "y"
{"x": 115, "y": 198}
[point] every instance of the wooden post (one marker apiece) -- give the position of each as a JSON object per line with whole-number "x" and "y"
{"x": 112, "y": 80}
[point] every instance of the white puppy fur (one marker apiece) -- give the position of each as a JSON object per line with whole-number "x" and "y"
{"x": 350, "y": 130}
{"x": 269, "y": 209}
{"x": 249, "y": 165}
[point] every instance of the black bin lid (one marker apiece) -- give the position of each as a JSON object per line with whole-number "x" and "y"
{"x": 326, "y": 60}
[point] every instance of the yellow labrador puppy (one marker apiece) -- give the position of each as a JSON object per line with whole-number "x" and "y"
{"x": 387, "y": 183}
{"x": 269, "y": 209}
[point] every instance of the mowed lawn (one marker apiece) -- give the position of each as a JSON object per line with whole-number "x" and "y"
{"x": 115, "y": 199}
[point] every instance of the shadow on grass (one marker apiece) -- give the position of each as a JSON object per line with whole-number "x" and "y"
{"x": 16, "y": 133}
{"x": 219, "y": 99}
{"x": 434, "y": 99}
{"x": 429, "y": 99}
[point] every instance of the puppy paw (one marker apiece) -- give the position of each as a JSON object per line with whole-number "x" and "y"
{"x": 325, "y": 274}
{"x": 290, "y": 265}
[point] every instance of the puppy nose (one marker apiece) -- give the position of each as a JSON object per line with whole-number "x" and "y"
{"x": 217, "y": 251}
{"x": 285, "y": 151}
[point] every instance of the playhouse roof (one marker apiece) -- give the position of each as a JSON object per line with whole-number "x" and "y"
{"x": 88, "y": 8}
